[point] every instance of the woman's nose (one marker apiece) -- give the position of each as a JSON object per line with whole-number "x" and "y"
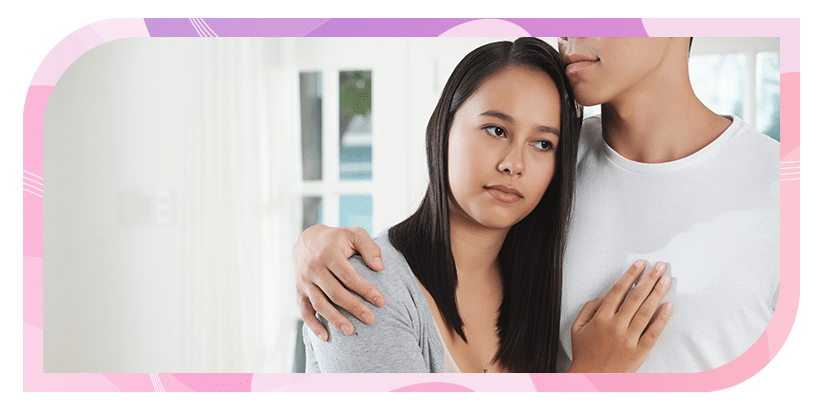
{"x": 513, "y": 162}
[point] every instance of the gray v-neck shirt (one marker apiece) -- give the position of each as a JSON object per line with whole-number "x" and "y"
{"x": 404, "y": 337}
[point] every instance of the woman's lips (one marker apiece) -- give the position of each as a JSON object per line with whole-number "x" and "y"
{"x": 504, "y": 195}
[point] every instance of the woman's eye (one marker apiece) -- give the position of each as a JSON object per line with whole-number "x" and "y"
{"x": 543, "y": 145}
{"x": 495, "y": 130}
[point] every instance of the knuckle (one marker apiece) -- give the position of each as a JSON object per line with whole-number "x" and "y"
{"x": 635, "y": 296}
{"x": 332, "y": 294}
{"x": 324, "y": 254}
{"x": 311, "y": 269}
{"x": 644, "y": 312}
{"x": 345, "y": 278}
{"x": 619, "y": 287}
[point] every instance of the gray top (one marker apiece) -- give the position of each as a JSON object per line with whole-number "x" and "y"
{"x": 404, "y": 337}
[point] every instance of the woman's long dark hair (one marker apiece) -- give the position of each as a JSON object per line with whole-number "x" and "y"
{"x": 531, "y": 255}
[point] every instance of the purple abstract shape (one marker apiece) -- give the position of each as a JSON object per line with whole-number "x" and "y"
{"x": 588, "y": 27}
{"x": 170, "y": 27}
{"x": 434, "y": 387}
{"x": 386, "y": 27}
{"x": 263, "y": 27}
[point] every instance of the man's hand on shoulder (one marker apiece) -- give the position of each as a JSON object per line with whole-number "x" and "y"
{"x": 325, "y": 276}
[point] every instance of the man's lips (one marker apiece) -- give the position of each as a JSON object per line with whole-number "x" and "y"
{"x": 578, "y": 66}
{"x": 577, "y": 62}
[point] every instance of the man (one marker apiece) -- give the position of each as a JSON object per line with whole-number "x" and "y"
{"x": 660, "y": 176}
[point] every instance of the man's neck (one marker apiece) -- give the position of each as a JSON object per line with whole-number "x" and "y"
{"x": 660, "y": 122}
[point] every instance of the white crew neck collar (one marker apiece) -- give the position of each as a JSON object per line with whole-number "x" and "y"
{"x": 640, "y": 167}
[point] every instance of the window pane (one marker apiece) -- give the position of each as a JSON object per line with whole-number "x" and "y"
{"x": 356, "y": 211}
{"x": 311, "y": 85}
{"x": 767, "y": 93}
{"x": 719, "y": 81}
{"x": 355, "y": 125}
{"x": 312, "y": 211}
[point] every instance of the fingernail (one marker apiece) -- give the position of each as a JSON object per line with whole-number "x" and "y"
{"x": 665, "y": 281}
{"x": 323, "y": 337}
{"x": 668, "y": 307}
{"x": 640, "y": 263}
{"x": 660, "y": 266}
{"x": 367, "y": 318}
{"x": 378, "y": 301}
{"x": 347, "y": 329}
{"x": 378, "y": 262}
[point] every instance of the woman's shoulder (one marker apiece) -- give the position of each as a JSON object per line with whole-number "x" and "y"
{"x": 403, "y": 336}
{"x": 397, "y": 279}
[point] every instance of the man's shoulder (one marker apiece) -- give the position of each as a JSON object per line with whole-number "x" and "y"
{"x": 753, "y": 143}
{"x": 591, "y": 127}
{"x": 590, "y": 134}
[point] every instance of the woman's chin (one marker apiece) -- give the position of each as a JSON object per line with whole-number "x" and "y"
{"x": 498, "y": 221}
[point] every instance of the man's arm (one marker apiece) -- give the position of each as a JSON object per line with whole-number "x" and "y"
{"x": 325, "y": 276}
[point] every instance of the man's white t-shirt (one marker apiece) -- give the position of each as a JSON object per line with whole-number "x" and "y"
{"x": 713, "y": 216}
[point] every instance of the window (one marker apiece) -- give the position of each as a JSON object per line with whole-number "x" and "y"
{"x": 736, "y": 76}
{"x": 739, "y": 76}
{"x": 336, "y": 148}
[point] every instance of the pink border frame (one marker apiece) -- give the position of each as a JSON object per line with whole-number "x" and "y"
{"x": 735, "y": 372}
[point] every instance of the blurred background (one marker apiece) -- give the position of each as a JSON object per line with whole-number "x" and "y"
{"x": 180, "y": 172}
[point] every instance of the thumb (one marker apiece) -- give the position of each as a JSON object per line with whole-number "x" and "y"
{"x": 586, "y": 314}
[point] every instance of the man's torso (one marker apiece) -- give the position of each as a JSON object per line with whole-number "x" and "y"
{"x": 713, "y": 216}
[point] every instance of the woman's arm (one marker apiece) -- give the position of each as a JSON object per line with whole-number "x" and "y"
{"x": 323, "y": 272}
{"x": 389, "y": 345}
{"x": 612, "y": 333}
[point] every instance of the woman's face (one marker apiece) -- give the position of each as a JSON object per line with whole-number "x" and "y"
{"x": 502, "y": 147}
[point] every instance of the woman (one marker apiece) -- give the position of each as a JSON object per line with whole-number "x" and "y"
{"x": 473, "y": 277}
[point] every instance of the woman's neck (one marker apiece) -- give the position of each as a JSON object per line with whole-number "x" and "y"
{"x": 478, "y": 294}
{"x": 475, "y": 248}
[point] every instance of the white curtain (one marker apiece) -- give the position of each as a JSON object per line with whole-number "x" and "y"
{"x": 233, "y": 318}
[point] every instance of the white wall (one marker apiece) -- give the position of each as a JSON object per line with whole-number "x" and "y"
{"x": 111, "y": 276}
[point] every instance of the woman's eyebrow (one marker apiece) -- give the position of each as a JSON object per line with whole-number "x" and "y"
{"x": 548, "y": 129}
{"x": 508, "y": 118}
{"x": 499, "y": 115}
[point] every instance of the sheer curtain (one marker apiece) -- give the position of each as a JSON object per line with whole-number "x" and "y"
{"x": 233, "y": 298}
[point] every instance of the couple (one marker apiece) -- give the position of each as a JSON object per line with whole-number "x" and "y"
{"x": 475, "y": 280}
